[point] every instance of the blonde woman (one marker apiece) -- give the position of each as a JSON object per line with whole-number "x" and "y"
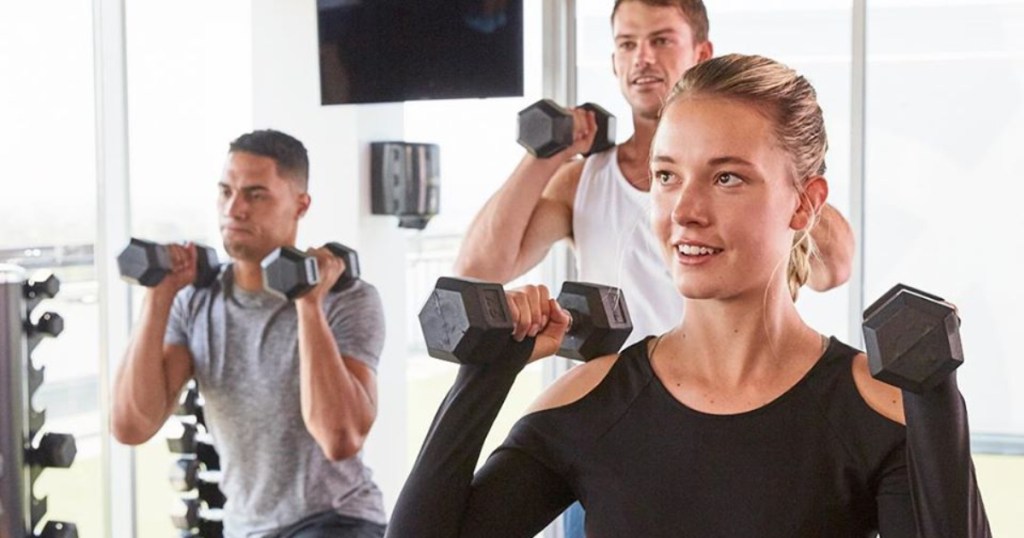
{"x": 742, "y": 420}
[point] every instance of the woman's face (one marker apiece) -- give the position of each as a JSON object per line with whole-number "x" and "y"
{"x": 723, "y": 198}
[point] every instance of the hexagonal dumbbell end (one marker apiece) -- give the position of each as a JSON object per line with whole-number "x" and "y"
{"x": 183, "y": 473}
{"x": 207, "y": 266}
{"x": 209, "y": 490}
{"x": 54, "y": 450}
{"x": 912, "y": 339}
{"x": 289, "y": 272}
{"x": 44, "y": 288}
{"x": 186, "y": 443}
{"x": 50, "y": 324}
{"x": 464, "y": 316}
{"x": 545, "y": 128}
{"x": 211, "y": 524}
{"x": 187, "y": 515}
{"x": 188, "y": 404}
{"x": 600, "y": 320}
{"x": 351, "y": 259}
{"x": 605, "y": 137}
{"x": 208, "y": 456}
{"x": 144, "y": 263}
{"x": 59, "y": 529}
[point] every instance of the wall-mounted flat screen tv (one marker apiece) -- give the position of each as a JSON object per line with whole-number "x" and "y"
{"x": 379, "y": 51}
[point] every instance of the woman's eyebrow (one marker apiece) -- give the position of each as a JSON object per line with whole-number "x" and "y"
{"x": 729, "y": 159}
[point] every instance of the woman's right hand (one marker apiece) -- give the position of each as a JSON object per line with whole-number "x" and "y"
{"x": 536, "y": 314}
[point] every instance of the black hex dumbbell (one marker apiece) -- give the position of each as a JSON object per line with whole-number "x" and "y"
{"x": 190, "y": 443}
{"x": 187, "y": 473}
{"x": 912, "y": 339}
{"x": 54, "y": 450}
{"x": 59, "y": 529}
{"x": 147, "y": 263}
{"x": 463, "y": 316}
{"x": 191, "y": 404}
{"x": 545, "y": 128}
{"x": 186, "y": 442}
{"x": 289, "y": 272}
{"x": 49, "y": 324}
{"x": 196, "y": 516}
{"x": 38, "y": 289}
{"x": 184, "y": 473}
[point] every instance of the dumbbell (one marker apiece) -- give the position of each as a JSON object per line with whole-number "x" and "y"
{"x": 186, "y": 443}
{"x": 191, "y": 404}
{"x": 209, "y": 522}
{"x": 54, "y": 450}
{"x": 146, "y": 263}
{"x": 289, "y": 272}
{"x": 190, "y": 443}
{"x": 912, "y": 339}
{"x": 59, "y": 529}
{"x": 545, "y": 128}
{"x": 187, "y": 473}
{"x": 464, "y": 316}
{"x": 46, "y": 288}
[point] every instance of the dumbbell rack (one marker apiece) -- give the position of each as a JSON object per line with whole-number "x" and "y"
{"x": 23, "y": 452}
{"x": 195, "y": 471}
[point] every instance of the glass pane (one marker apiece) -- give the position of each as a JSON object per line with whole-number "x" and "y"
{"x": 189, "y": 95}
{"x": 478, "y": 145}
{"x": 48, "y": 147}
{"x": 1000, "y": 477}
{"x": 945, "y": 117}
{"x": 945, "y": 111}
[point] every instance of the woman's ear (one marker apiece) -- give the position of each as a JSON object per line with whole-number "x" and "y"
{"x": 812, "y": 199}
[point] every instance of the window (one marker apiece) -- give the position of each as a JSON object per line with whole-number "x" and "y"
{"x": 189, "y": 95}
{"x": 478, "y": 145}
{"x": 48, "y": 148}
{"x": 945, "y": 117}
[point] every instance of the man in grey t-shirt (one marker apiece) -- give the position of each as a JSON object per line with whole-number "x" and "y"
{"x": 290, "y": 387}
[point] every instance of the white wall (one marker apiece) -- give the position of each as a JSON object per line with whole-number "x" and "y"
{"x": 286, "y": 96}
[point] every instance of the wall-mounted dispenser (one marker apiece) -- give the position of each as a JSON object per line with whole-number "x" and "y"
{"x": 405, "y": 181}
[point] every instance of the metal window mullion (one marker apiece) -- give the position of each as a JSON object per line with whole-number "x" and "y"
{"x": 858, "y": 122}
{"x": 558, "y": 28}
{"x": 112, "y": 210}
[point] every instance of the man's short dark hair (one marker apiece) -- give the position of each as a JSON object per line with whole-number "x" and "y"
{"x": 287, "y": 152}
{"x": 693, "y": 10}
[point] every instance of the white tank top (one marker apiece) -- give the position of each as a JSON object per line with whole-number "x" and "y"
{"x": 615, "y": 246}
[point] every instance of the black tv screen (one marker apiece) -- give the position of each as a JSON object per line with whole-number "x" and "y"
{"x": 379, "y": 51}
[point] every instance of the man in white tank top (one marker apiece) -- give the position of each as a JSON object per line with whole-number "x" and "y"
{"x": 601, "y": 203}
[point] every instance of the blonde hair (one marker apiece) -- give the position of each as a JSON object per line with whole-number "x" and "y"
{"x": 791, "y": 104}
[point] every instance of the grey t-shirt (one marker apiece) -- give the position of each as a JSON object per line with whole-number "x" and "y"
{"x": 246, "y": 363}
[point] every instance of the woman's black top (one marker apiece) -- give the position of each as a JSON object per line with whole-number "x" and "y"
{"x": 816, "y": 461}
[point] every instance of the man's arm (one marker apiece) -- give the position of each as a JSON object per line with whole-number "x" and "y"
{"x": 834, "y": 240}
{"x": 338, "y": 393}
{"x": 153, "y": 373}
{"x": 530, "y": 212}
